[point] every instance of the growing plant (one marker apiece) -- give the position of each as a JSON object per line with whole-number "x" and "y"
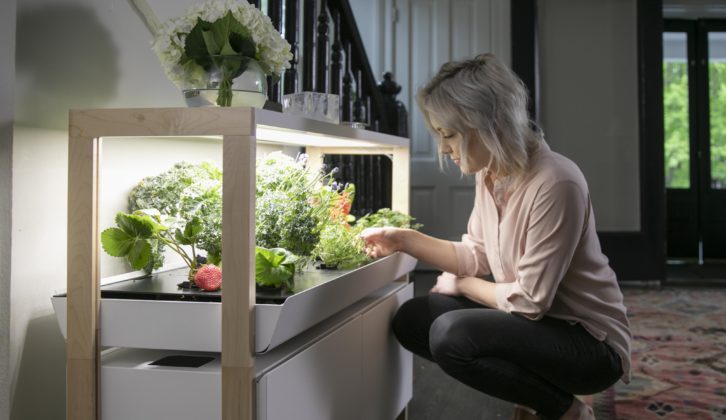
{"x": 138, "y": 233}
{"x": 290, "y": 206}
{"x": 185, "y": 191}
{"x": 387, "y": 217}
{"x": 341, "y": 245}
{"x": 275, "y": 267}
{"x": 300, "y": 216}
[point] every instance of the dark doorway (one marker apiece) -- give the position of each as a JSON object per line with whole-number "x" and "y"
{"x": 694, "y": 94}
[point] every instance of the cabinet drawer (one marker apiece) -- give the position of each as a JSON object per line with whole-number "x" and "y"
{"x": 321, "y": 382}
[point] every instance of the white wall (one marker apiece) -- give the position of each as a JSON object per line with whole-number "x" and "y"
{"x": 589, "y": 99}
{"x": 7, "y": 82}
{"x": 370, "y": 16}
{"x": 71, "y": 54}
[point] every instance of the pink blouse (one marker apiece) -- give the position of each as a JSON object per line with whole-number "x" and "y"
{"x": 538, "y": 240}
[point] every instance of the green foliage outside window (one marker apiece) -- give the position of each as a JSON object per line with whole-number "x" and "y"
{"x": 717, "y": 95}
{"x": 675, "y": 110}
{"x": 675, "y": 103}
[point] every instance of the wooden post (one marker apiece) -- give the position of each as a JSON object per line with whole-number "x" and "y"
{"x": 400, "y": 180}
{"x": 83, "y": 278}
{"x": 238, "y": 293}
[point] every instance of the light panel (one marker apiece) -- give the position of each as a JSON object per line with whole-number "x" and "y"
{"x": 300, "y": 138}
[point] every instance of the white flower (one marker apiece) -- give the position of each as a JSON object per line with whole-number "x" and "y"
{"x": 273, "y": 51}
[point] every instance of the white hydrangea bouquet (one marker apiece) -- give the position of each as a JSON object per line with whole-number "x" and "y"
{"x": 217, "y": 41}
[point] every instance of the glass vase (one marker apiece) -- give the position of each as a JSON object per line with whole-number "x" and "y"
{"x": 228, "y": 80}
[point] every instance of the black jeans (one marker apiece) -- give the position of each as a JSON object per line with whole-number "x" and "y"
{"x": 538, "y": 364}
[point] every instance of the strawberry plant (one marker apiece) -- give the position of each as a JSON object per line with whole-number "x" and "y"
{"x": 136, "y": 234}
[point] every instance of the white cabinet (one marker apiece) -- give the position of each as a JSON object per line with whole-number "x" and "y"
{"x": 322, "y": 382}
{"x": 387, "y": 367}
{"x": 357, "y": 372}
{"x": 350, "y": 367}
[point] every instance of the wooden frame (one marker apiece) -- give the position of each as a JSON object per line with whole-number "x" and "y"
{"x": 237, "y": 126}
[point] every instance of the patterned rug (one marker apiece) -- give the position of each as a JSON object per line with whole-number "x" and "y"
{"x": 678, "y": 357}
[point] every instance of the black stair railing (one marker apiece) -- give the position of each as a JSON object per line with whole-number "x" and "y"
{"x": 329, "y": 57}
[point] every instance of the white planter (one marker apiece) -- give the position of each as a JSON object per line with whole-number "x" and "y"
{"x": 197, "y": 326}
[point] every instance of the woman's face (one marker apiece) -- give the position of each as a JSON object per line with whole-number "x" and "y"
{"x": 450, "y": 141}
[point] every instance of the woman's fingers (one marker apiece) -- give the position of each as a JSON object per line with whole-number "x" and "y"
{"x": 375, "y": 242}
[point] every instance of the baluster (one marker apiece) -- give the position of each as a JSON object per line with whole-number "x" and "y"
{"x": 309, "y": 29}
{"x": 291, "y": 35}
{"x": 358, "y": 102}
{"x": 274, "y": 11}
{"x": 389, "y": 89}
{"x": 347, "y": 86}
{"x": 397, "y": 116}
{"x": 335, "y": 66}
{"x": 368, "y": 114}
{"x": 322, "y": 50}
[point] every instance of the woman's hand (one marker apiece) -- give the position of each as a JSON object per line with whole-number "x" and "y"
{"x": 447, "y": 284}
{"x": 381, "y": 242}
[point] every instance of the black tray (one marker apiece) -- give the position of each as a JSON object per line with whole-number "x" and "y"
{"x": 164, "y": 286}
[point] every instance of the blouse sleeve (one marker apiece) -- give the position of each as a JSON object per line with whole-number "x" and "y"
{"x": 557, "y": 221}
{"x": 470, "y": 252}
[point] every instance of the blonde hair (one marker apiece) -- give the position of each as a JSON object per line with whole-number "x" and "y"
{"x": 482, "y": 94}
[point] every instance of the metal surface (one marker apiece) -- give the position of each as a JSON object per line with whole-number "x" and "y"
{"x": 153, "y": 313}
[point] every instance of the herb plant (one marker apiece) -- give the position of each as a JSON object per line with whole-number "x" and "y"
{"x": 185, "y": 191}
{"x": 300, "y": 217}
{"x": 290, "y": 208}
{"x": 275, "y": 267}
{"x": 136, "y": 234}
{"x": 387, "y": 217}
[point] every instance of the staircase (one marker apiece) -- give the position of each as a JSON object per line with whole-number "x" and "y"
{"x": 329, "y": 57}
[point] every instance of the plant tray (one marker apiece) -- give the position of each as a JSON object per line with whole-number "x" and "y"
{"x": 153, "y": 313}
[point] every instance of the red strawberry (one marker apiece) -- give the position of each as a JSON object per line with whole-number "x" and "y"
{"x": 209, "y": 278}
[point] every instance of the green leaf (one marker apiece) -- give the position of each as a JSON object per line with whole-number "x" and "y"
{"x": 214, "y": 258}
{"x": 116, "y": 242}
{"x": 195, "y": 47}
{"x": 274, "y": 267}
{"x": 132, "y": 238}
{"x": 235, "y": 38}
{"x": 225, "y": 36}
{"x": 134, "y": 226}
{"x": 193, "y": 228}
{"x": 139, "y": 224}
{"x": 140, "y": 254}
{"x": 179, "y": 236}
{"x": 213, "y": 45}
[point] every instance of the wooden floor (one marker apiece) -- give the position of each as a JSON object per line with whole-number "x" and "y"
{"x": 436, "y": 396}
